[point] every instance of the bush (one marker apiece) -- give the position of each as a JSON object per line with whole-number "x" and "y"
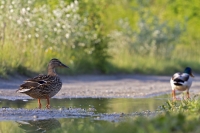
{"x": 38, "y": 32}
{"x": 151, "y": 38}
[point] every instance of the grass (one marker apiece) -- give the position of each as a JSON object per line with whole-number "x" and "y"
{"x": 134, "y": 63}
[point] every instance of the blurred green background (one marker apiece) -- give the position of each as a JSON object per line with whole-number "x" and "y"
{"x": 99, "y": 36}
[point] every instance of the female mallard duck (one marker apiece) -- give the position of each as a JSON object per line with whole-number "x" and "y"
{"x": 181, "y": 82}
{"x": 44, "y": 86}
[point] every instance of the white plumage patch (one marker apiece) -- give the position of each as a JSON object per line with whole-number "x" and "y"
{"x": 23, "y": 122}
{"x": 24, "y": 90}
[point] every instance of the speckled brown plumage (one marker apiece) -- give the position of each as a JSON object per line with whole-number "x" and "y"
{"x": 44, "y": 86}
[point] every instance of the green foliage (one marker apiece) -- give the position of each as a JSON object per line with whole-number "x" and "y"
{"x": 96, "y": 40}
{"x": 155, "y": 40}
{"x": 39, "y": 32}
{"x": 99, "y": 36}
{"x": 183, "y": 106}
{"x": 152, "y": 37}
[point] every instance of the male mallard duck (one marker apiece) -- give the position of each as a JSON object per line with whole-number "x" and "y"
{"x": 44, "y": 86}
{"x": 181, "y": 82}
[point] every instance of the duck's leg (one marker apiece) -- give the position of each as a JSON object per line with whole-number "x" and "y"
{"x": 39, "y": 103}
{"x": 173, "y": 95}
{"x": 188, "y": 95}
{"x": 48, "y": 103}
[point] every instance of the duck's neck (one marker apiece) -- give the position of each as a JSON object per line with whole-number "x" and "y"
{"x": 51, "y": 71}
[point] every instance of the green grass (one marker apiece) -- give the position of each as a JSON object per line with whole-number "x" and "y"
{"x": 134, "y": 63}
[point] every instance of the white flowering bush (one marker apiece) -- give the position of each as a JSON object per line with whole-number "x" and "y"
{"x": 42, "y": 24}
{"x": 39, "y": 32}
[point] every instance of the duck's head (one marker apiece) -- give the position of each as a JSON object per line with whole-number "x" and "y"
{"x": 188, "y": 70}
{"x": 56, "y": 63}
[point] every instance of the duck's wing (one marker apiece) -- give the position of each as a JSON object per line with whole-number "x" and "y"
{"x": 176, "y": 75}
{"x": 180, "y": 79}
{"x": 39, "y": 81}
{"x": 185, "y": 77}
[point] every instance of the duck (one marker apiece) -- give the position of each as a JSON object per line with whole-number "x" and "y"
{"x": 39, "y": 126}
{"x": 44, "y": 86}
{"x": 181, "y": 82}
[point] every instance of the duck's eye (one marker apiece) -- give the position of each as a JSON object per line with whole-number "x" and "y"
{"x": 41, "y": 82}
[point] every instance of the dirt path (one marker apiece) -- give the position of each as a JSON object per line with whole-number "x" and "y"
{"x": 112, "y": 86}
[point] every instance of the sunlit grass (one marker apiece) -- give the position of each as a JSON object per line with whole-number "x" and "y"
{"x": 134, "y": 63}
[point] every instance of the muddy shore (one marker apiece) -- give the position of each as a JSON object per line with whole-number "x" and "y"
{"x": 101, "y": 86}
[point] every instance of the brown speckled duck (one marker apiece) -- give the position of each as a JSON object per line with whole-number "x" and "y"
{"x": 44, "y": 86}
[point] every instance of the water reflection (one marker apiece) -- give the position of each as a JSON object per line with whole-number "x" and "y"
{"x": 67, "y": 125}
{"x": 102, "y": 105}
{"x": 39, "y": 126}
{"x": 80, "y": 124}
{"x": 73, "y": 125}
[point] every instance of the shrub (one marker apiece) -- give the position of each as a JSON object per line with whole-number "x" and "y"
{"x": 39, "y": 32}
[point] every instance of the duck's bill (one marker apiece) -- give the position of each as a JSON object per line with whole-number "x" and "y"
{"x": 191, "y": 75}
{"x": 63, "y": 65}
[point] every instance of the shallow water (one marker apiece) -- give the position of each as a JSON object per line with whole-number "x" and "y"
{"x": 105, "y": 112}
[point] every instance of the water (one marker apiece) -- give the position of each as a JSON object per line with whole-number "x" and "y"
{"x": 82, "y": 123}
